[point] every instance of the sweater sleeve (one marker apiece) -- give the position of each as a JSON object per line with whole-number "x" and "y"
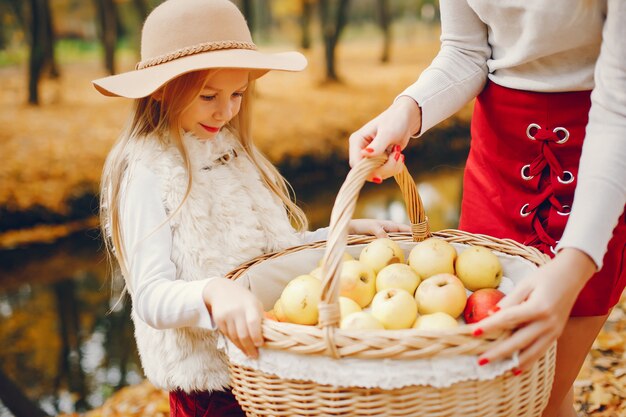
{"x": 459, "y": 71}
{"x": 601, "y": 191}
{"x": 159, "y": 299}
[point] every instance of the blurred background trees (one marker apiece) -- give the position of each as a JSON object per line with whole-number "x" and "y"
{"x": 37, "y": 27}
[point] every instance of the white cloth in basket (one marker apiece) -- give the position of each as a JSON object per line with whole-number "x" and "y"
{"x": 267, "y": 279}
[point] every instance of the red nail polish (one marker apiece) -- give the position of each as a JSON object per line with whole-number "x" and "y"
{"x": 397, "y": 156}
{"x": 368, "y": 150}
{"x": 401, "y": 158}
{"x": 397, "y": 148}
{"x": 516, "y": 371}
{"x": 478, "y": 332}
{"x": 377, "y": 180}
{"x": 483, "y": 361}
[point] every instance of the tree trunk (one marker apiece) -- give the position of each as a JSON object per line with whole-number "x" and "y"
{"x": 37, "y": 53}
{"x": 49, "y": 39}
{"x": 107, "y": 18}
{"x": 331, "y": 31}
{"x": 248, "y": 12}
{"x": 305, "y": 23}
{"x": 14, "y": 399}
{"x": 385, "y": 24}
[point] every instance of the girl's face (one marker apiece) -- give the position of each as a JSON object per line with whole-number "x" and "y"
{"x": 216, "y": 104}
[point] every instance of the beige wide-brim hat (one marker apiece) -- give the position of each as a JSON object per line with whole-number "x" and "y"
{"x": 181, "y": 36}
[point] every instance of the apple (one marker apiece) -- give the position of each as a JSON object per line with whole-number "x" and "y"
{"x": 397, "y": 276}
{"x": 436, "y": 321}
{"x": 441, "y": 293}
{"x": 345, "y": 257}
{"x": 348, "y": 306}
{"x": 361, "y": 320}
{"x": 477, "y": 267}
{"x": 300, "y": 298}
{"x": 480, "y": 303}
{"x": 278, "y": 311}
{"x": 358, "y": 282}
{"x": 431, "y": 257}
{"x": 381, "y": 252}
{"x": 317, "y": 273}
{"x": 394, "y": 308}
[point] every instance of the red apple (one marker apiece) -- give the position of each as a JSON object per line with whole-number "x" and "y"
{"x": 480, "y": 303}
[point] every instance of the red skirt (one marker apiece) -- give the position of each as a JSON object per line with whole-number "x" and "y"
{"x": 204, "y": 404}
{"x": 521, "y": 175}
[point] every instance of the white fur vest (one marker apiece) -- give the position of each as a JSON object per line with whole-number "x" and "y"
{"x": 229, "y": 217}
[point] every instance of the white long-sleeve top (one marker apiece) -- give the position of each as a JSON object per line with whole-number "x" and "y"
{"x": 543, "y": 46}
{"x": 159, "y": 299}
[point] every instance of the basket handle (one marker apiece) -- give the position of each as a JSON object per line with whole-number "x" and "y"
{"x": 342, "y": 212}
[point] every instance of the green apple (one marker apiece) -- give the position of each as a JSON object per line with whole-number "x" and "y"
{"x": 381, "y": 252}
{"x": 360, "y": 320}
{"x": 394, "y": 308}
{"x": 358, "y": 282}
{"x": 348, "y": 306}
{"x": 441, "y": 293}
{"x": 397, "y": 276}
{"x": 300, "y": 298}
{"x": 436, "y": 321}
{"x": 431, "y": 257}
{"x": 477, "y": 267}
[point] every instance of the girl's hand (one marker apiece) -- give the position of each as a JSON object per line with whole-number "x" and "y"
{"x": 388, "y": 132}
{"x": 236, "y": 312}
{"x": 538, "y": 308}
{"x": 378, "y": 228}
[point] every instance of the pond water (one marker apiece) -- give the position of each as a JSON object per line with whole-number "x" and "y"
{"x": 66, "y": 342}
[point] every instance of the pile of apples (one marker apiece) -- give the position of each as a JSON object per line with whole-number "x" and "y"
{"x": 434, "y": 289}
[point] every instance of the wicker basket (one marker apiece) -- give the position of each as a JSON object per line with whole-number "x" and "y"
{"x": 262, "y": 394}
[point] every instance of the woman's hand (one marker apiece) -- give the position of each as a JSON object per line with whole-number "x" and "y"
{"x": 378, "y": 228}
{"x": 236, "y": 312}
{"x": 388, "y": 132}
{"x": 538, "y": 308}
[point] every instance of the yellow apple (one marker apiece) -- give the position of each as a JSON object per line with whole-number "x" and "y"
{"x": 431, "y": 257}
{"x": 394, "y": 308}
{"x": 397, "y": 276}
{"x": 300, "y": 298}
{"x": 436, "y": 321}
{"x": 345, "y": 257}
{"x": 348, "y": 306}
{"x": 317, "y": 273}
{"x": 441, "y": 293}
{"x": 278, "y": 311}
{"x": 358, "y": 282}
{"x": 477, "y": 267}
{"x": 361, "y": 321}
{"x": 381, "y": 252}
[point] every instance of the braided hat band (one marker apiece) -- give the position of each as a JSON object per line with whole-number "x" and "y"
{"x": 196, "y": 49}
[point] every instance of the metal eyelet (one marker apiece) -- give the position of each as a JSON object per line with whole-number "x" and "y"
{"x": 523, "y": 174}
{"x": 528, "y": 129}
{"x": 565, "y": 213}
{"x": 523, "y": 211}
{"x": 568, "y": 178}
{"x": 556, "y": 130}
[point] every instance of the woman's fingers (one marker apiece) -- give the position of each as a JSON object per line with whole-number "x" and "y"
{"x": 534, "y": 352}
{"x": 391, "y": 167}
{"x": 515, "y": 342}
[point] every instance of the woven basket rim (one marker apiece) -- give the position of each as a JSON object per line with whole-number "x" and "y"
{"x": 396, "y": 344}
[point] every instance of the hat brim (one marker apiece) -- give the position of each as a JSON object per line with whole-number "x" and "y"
{"x": 143, "y": 82}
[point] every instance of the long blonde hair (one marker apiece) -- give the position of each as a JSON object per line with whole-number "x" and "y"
{"x": 159, "y": 119}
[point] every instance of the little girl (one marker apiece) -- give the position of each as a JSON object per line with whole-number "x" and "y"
{"x": 186, "y": 197}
